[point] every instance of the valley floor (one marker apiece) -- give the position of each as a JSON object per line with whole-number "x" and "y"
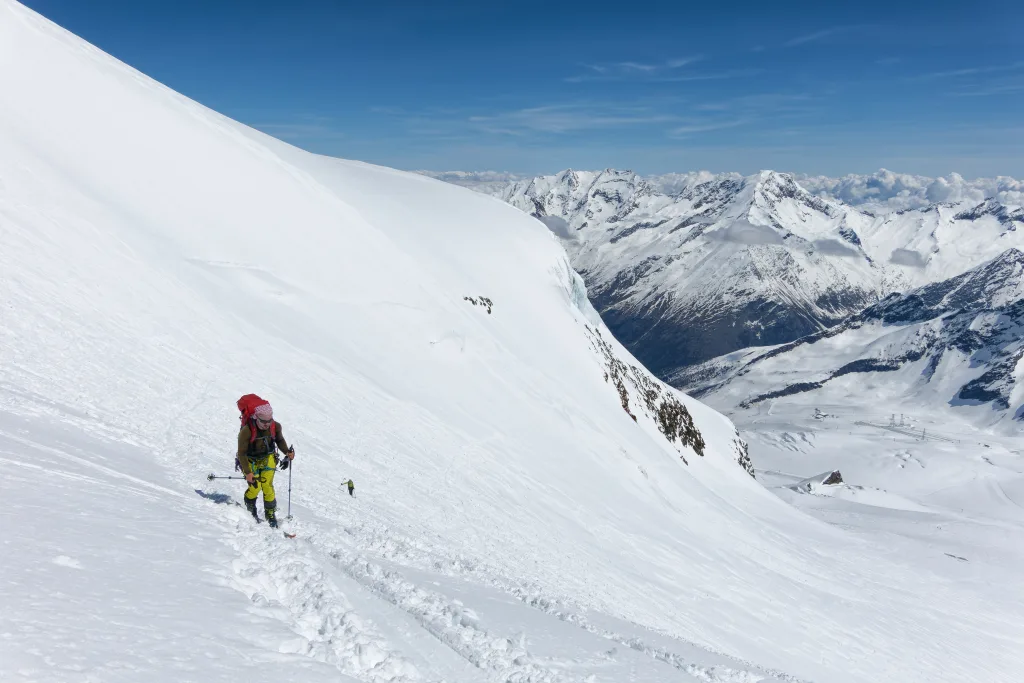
{"x": 926, "y": 489}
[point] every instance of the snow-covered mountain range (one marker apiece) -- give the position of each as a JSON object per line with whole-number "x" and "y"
{"x": 880, "y": 192}
{"x": 689, "y": 267}
{"x": 719, "y": 266}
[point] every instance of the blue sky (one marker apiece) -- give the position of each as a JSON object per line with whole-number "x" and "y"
{"x": 535, "y": 87}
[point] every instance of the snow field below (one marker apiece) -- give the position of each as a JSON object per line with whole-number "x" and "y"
{"x": 953, "y": 505}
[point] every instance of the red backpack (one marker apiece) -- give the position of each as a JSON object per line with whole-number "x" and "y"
{"x": 248, "y": 405}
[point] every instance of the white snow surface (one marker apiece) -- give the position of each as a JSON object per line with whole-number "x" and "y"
{"x": 511, "y": 521}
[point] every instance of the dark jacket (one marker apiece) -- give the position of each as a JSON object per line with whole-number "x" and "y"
{"x": 261, "y": 447}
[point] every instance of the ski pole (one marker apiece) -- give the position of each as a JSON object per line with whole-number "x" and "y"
{"x": 290, "y": 468}
{"x": 211, "y": 477}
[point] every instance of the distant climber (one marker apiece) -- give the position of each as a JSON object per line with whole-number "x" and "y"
{"x": 258, "y": 443}
{"x": 351, "y": 487}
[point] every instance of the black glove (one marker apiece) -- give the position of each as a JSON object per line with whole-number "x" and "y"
{"x": 284, "y": 463}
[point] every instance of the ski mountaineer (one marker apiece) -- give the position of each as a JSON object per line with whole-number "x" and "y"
{"x": 351, "y": 487}
{"x": 258, "y": 458}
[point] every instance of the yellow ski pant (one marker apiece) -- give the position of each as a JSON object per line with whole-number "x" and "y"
{"x": 263, "y": 469}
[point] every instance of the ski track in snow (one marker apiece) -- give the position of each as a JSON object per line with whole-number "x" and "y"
{"x": 448, "y": 622}
{"x": 278, "y": 576}
{"x": 290, "y": 578}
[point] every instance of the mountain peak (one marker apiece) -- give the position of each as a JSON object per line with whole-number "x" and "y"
{"x": 777, "y": 183}
{"x": 778, "y": 176}
{"x": 569, "y": 177}
{"x": 770, "y": 188}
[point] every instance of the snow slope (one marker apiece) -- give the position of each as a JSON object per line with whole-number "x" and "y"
{"x": 531, "y": 505}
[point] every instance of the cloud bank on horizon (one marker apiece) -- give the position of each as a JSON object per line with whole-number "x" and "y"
{"x": 881, "y": 191}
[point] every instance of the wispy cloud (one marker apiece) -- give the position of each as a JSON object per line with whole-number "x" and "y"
{"x": 632, "y": 70}
{"x": 636, "y": 66}
{"x": 682, "y": 61}
{"x": 713, "y": 106}
{"x": 763, "y": 104}
{"x": 978, "y": 81}
{"x": 672, "y": 78}
{"x": 705, "y": 126}
{"x": 970, "y": 71}
{"x": 712, "y": 76}
{"x": 814, "y": 37}
{"x": 765, "y": 111}
{"x": 665, "y": 117}
{"x": 545, "y": 122}
{"x": 991, "y": 90}
{"x": 567, "y": 118}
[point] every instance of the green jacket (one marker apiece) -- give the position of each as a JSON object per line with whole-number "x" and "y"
{"x": 261, "y": 447}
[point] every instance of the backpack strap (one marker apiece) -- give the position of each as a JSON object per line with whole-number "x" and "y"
{"x": 272, "y": 445}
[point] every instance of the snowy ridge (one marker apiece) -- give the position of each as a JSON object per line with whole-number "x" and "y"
{"x": 956, "y": 342}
